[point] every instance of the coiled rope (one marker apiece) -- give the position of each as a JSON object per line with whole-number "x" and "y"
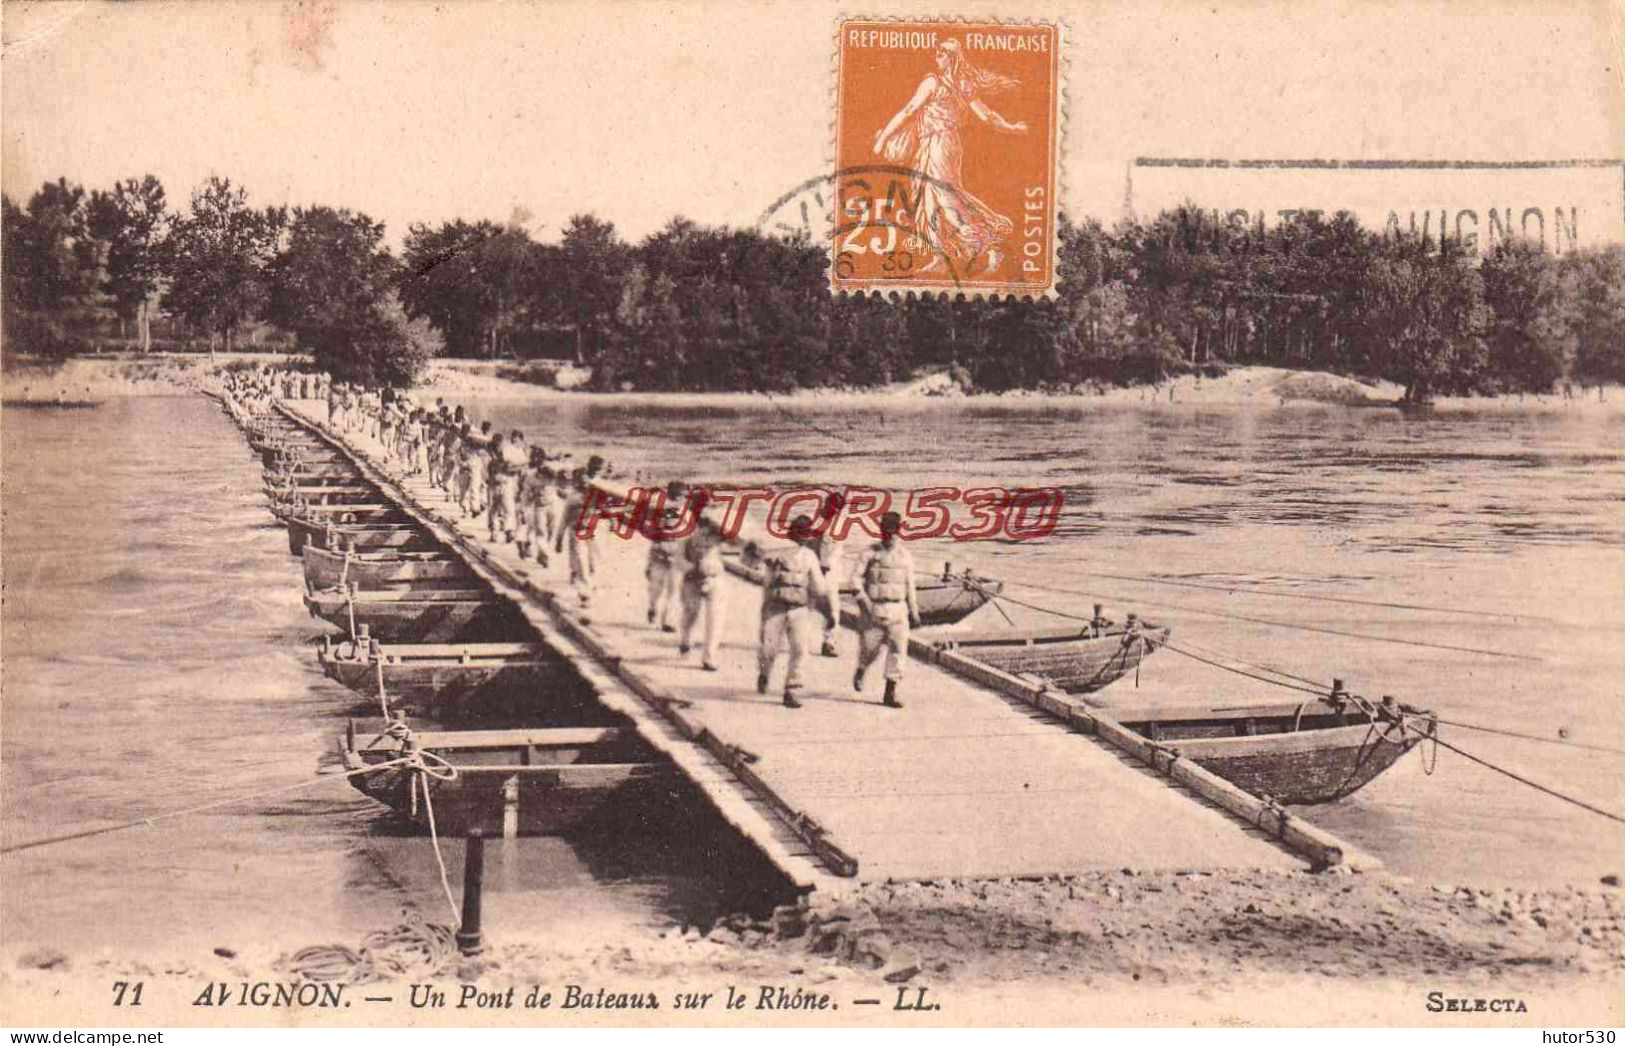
{"x": 412, "y": 949}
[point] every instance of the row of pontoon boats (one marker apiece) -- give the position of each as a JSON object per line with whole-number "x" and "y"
{"x": 488, "y": 727}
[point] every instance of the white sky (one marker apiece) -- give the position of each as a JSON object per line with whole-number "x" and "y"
{"x": 415, "y": 111}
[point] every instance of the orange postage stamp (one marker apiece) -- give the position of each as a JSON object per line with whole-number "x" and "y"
{"x": 947, "y": 138}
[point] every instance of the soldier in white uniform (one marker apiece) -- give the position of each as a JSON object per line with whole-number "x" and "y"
{"x": 794, "y": 584}
{"x": 701, "y": 563}
{"x": 888, "y": 606}
{"x": 662, "y": 572}
{"x": 831, "y": 560}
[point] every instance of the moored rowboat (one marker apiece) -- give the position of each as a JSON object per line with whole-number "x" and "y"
{"x": 431, "y": 678}
{"x": 1313, "y": 751}
{"x": 507, "y": 782}
{"x": 456, "y": 615}
{"x": 1076, "y": 660}
{"x": 330, "y": 568}
{"x": 368, "y": 536}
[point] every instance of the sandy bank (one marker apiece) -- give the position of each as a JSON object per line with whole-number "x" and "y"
{"x": 1289, "y": 948}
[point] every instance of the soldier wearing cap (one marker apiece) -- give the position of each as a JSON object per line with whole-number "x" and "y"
{"x": 793, "y": 584}
{"x": 830, "y": 561}
{"x": 702, "y": 589}
{"x": 887, "y": 604}
{"x": 661, "y": 572}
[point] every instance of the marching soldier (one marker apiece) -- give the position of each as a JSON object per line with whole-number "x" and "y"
{"x": 701, "y": 562}
{"x": 662, "y": 573}
{"x": 888, "y": 606}
{"x": 830, "y": 561}
{"x": 794, "y": 583}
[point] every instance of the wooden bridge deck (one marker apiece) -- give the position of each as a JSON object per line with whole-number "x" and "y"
{"x": 962, "y": 782}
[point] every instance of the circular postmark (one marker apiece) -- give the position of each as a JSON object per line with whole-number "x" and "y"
{"x": 864, "y": 217}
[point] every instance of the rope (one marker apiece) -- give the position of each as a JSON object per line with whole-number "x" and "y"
{"x": 1280, "y": 624}
{"x": 1242, "y": 672}
{"x": 413, "y": 949}
{"x": 155, "y": 818}
{"x": 1536, "y": 785}
{"x": 434, "y": 834}
{"x": 1532, "y": 737}
{"x": 1253, "y": 590}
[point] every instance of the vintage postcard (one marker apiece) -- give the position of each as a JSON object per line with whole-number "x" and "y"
{"x": 754, "y": 514}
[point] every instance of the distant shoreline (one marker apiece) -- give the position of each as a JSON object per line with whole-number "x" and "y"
{"x": 115, "y": 376}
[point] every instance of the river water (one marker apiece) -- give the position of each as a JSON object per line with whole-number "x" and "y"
{"x": 157, "y": 651}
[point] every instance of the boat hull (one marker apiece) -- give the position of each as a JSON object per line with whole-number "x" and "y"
{"x": 507, "y": 782}
{"x": 434, "y": 681}
{"x": 405, "y": 537}
{"x": 325, "y": 568}
{"x": 1077, "y": 664}
{"x": 454, "y": 620}
{"x": 1310, "y": 754}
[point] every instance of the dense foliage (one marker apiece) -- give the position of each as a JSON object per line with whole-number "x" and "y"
{"x": 708, "y": 308}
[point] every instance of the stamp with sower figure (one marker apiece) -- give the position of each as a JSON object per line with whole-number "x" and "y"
{"x": 947, "y": 139}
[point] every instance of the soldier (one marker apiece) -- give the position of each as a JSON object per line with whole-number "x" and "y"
{"x": 701, "y": 563}
{"x": 794, "y": 583}
{"x": 479, "y": 459}
{"x": 464, "y": 452}
{"x": 583, "y": 565}
{"x": 507, "y": 461}
{"x": 662, "y": 573}
{"x": 887, "y": 605}
{"x": 830, "y": 561}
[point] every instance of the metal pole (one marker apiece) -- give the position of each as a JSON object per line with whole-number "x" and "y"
{"x": 468, "y": 938}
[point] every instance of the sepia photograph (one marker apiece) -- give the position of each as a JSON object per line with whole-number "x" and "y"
{"x": 770, "y": 514}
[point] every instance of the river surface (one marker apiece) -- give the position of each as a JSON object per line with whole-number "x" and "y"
{"x": 157, "y": 653}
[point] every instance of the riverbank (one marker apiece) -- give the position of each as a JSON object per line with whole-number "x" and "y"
{"x": 1106, "y": 948}
{"x": 93, "y": 377}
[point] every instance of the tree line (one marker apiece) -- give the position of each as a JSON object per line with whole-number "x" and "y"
{"x": 698, "y": 308}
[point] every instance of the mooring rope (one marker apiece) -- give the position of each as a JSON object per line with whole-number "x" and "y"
{"x": 1271, "y": 622}
{"x": 1518, "y": 777}
{"x": 152, "y": 820}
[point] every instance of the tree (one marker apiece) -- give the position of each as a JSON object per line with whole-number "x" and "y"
{"x": 1594, "y": 287}
{"x": 220, "y": 253}
{"x": 131, "y": 223}
{"x": 385, "y": 347}
{"x": 594, "y": 263}
{"x": 1424, "y": 311}
{"x": 52, "y": 269}
{"x": 1530, "y": 343}
{"x": 331, "y": 270}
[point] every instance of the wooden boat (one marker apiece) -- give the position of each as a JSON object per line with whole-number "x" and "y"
{"x": 942, "y": 598}
{"x": 451, "y": 615}
{"x": 323, "y": 491}
{"x": 303, "y": 530}
{"x": 503, "y": 782}
{"x": 434, "y": 678}
{"x": 1312, "y": 751}
{"x": 330, "y": 568}
{"x": 343, "y": 512}
{"x": 1075, "y": 659}
{"x": 308, "y": 474}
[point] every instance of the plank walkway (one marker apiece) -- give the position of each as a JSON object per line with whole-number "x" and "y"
{"x": 961, "y": 783}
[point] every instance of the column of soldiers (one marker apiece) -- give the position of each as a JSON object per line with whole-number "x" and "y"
{"x": 537, "y": 503}
{"x": 687, "y": 574}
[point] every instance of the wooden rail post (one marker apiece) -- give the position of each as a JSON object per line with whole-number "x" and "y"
{"x": 468, "y": 938}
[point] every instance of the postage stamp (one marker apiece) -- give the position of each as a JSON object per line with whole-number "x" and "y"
{"x": 947, "y": 139}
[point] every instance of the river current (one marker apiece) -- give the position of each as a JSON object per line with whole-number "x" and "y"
{"x": 157, "y": 653}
